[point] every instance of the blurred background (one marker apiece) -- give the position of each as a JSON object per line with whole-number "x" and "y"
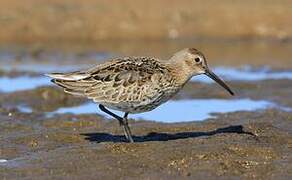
{"x": 94, "y": 20}
{"x": 229, "y": 32}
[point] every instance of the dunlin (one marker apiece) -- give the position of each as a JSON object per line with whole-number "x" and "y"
{"x": 135, "y": 84}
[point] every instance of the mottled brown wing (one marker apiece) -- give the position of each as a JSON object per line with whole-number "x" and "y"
{"x": 121, "y": 80}
{"x": 128, "y": 80}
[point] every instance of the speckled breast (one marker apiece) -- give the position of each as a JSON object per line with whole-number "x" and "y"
{"x": 147, "y": 104}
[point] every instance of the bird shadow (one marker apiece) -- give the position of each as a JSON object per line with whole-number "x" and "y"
{"x": 153, "y": 136}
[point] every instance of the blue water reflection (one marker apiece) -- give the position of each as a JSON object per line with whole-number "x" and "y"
{"x": 182, "y": 110}
{"x": 22, "y": 83}
{"x": 227, "y": 73}
{"x": 244, "y": 74}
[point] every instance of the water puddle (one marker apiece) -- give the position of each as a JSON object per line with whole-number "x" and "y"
{"x": 3, "y": 160}
{"x": 8, "y": 84}
{"x": 24, "y": 109}
{"x": 12, "y": 163}
{"x": 246, "y": 73}
{"x": 182, "y": 110}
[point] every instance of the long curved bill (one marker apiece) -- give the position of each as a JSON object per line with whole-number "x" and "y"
{"x": 218, "y": 80}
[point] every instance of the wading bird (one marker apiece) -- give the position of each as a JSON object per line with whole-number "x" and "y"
{"x": 136, "y": 84}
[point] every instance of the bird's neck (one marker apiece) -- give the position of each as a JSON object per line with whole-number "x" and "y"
{"x": 179, "y": 70}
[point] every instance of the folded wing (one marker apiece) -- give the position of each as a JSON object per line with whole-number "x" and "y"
{"x": 122, "y": 80}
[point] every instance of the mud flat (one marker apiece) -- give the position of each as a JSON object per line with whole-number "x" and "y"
{"x": 247, "y": 144}
{"x": 244, "y": 144}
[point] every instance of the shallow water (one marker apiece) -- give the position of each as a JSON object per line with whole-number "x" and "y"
{"x": 182, "y": 110}
{"x": 13, "y": 163}
{"x": 45, "y": 62}
{"x": 8, "y": 84}
{"x": 244, "y": 74}
{"x": 3, "y": 160}
{"x": 24, "y": 109}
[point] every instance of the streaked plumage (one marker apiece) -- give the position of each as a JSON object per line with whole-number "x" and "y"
{"x": 135, "y": 84}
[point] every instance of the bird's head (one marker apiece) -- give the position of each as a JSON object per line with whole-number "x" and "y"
{"x": 195, "y": 63}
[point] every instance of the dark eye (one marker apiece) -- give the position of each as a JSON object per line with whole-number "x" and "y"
{"x": 197, "y": 60}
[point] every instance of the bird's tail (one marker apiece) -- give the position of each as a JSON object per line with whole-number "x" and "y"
{"x": 72, "y": 83}
{"x": 73, "y": 76}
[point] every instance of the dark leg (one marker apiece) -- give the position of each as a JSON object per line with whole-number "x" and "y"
{"x": 122, "y": 121}
{"x": 127, "y": 129}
